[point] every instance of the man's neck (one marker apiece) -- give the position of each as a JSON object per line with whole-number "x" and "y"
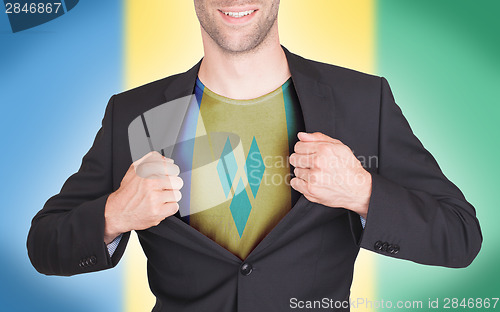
{"x": 244, "y": 76}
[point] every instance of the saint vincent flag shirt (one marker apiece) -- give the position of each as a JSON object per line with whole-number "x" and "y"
{"x": 241, "y": 188}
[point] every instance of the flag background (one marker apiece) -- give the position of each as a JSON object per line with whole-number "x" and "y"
{"x": 440, "y": 57}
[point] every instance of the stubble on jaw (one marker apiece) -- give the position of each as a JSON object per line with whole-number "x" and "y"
{"x": 249, "y": 43}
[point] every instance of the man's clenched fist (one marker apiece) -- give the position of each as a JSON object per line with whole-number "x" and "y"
{"x": 148, "y": 193}
{"x": 327, "y": 172}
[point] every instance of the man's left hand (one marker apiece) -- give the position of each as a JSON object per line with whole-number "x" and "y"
{"x": 328, "y": 173}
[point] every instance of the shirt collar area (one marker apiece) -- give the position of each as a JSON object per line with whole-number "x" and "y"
{"x": 220, "y": 98}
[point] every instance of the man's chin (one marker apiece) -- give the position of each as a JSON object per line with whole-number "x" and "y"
{"x": 241, "y": 47}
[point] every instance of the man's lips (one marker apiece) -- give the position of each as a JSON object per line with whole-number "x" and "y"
{"x": 237, "y": 16}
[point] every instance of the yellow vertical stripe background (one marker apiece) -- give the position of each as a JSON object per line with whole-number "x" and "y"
{"x": 162, "y": 37}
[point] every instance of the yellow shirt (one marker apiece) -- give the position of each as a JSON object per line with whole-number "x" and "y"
{"x": 239, "y": 199}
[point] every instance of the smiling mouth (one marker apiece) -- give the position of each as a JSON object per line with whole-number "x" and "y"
{"x": 239, "y": 14}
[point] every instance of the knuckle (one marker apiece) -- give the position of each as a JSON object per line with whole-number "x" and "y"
{"x": 168, "y": 196}
{"x": 297, "y": 146}
{"x": 177, "y": 195}
{"x": 172, "y": 208}
{"x": 300, "y": 161}
{"x": 159, "y": 184}
{"x": 166, "y": 183}
{"x": 175, "y": 170}
{"x": 328, "y": 149}
{"x": 177, "y": 182}
{"x": 144, "y": 166}
{"x": 323, "y": 148}
{"x": 313, "y": 176}
{"x": 170, "y": 169}
{"x": 142, "y": 170}
{"x": 317, "y": 161}
{"x": 346, "y": 150}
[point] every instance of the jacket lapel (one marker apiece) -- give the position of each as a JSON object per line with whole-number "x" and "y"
{"x": 316, "y": 98}
{"x": 317, "y": 104}
{"x": 182, "y": 84}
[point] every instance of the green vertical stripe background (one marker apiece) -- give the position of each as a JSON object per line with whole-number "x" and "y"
{"x": 442, "y": 60}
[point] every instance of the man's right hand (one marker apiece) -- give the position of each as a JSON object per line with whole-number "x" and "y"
{"x": 148, "y": 193}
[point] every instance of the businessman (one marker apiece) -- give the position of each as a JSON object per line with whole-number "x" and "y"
{"x": 264, "y": 242}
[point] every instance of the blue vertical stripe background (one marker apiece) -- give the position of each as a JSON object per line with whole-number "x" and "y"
{"x": 55, "y": 81}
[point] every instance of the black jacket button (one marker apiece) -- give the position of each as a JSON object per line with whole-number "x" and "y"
{"x": 246, "y": 269}
{"x": 390, "y": 249}
{"x": 396, "y": 249}
{"x": 378, "y": 245}
{"x": 384, "y": 246}
{"x": 93, "y": 260}
{"x": 82, "y": 263}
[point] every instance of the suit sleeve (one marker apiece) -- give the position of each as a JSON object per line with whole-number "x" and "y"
{"x": 67, "y": 236}
{"x": 415, "y": 212}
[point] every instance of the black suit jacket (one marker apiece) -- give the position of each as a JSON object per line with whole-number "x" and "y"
{"x": 415, "y": 212}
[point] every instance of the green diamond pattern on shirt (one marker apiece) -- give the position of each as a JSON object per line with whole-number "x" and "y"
{"x": 254, "y": 167}
{"x": 240, "y": 207}
{"x": 227, "y": 167}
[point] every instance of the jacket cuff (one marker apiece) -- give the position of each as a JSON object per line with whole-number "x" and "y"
{"x": 383, "y": 198}
{"x": 87, "y": 232}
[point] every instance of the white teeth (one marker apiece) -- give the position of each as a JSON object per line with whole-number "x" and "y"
{"x": 239, "y": 14}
